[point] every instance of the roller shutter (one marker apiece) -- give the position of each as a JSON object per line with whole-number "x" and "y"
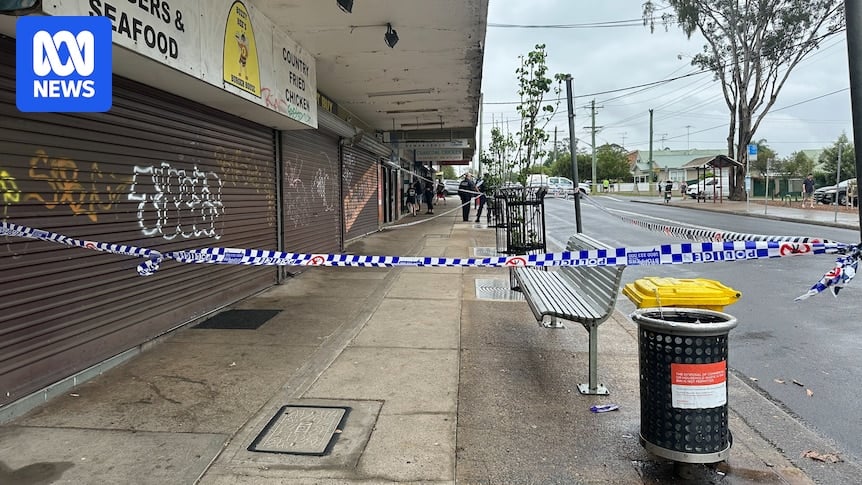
{"x": 361, "y": 192}
{"x": 312, "y": 212}
{"x": 156, "y": 171}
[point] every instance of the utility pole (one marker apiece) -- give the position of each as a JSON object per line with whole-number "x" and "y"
{"x": 595, "y": 184}
{"x": 623, "y": 134}
{"x": 649, "y": 178}
{"x": 663, "y": 140}
{"x": 555, "y": 144}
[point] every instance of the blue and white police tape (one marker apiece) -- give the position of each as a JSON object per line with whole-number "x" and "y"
{"x": 839, "y": 276}
{"x": 153, "y": 257}
{"x": 679, "y": 253}
{"x": 701, "y": 233}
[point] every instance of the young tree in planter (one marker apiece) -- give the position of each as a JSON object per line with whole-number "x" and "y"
{"x": 533, "y": 85}
{"x": 751, "y": 48}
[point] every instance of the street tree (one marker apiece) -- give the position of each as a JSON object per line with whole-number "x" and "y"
{"x": 798, "y": 165}
{"x": 751, "y": 48}
{"x": 562, "y": 167}
{"x": 829, "y": 160}
{"x": 449, "y": 172}
{"x": 611, "y": 163}
{"x": 533, "y": 86}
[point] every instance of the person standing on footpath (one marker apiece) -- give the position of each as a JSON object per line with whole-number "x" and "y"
{"x": 411, "y": 199}
{"x": 481, "y": 187}
{"x": 808, "y": 191}
{"x": 417, "y": 187}
{"x": 429, "y": 198}
{"x": 466, "y": 191}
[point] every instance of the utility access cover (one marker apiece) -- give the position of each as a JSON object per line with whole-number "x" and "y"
{"x": 301, "y": 430}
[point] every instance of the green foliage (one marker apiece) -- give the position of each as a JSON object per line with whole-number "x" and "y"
{"x": 798, "y": 165}
{"x": 449, "y": 172}
{"x": 533, "y": 85}
{"x": 751, "y": 48}
{"x": 611, "y": 163}
{"x": 829, "y": 160}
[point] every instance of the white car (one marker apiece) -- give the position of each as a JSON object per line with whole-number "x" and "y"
{"x": 562, "y": 186}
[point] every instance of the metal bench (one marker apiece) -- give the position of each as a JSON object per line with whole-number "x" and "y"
{"x": 583, "y": 294}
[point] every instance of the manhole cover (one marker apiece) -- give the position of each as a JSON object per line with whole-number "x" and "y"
{"x": 484, "y": 252}
{"x": 301, "y": 430}
{"x": 238, "y": 319}
{"x": 491, "y": 289}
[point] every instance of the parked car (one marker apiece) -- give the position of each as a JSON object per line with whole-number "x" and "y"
{"x": 562, "y": 186}
{"x": 826, "y": 195}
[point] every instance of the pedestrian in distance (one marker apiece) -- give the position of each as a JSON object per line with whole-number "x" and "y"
{"x": 682, "y": 188}
{"x": 481, "y": 187}
{"x": 417, "y": 188}
{"x": 411, "y": 200}
{"x": 808, "y": 191}
{"x": 441, "y": 192}
{"x": 466, "y": 192}
{"x": 429, "y": 198}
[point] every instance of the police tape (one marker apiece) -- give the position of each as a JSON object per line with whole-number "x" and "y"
{"x": 154, "y": 258}
{"x": 700, "y": 233}
{"x": 834, "y": 280}
{"x": 678, "y": 253}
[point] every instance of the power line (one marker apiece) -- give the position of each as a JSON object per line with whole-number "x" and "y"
{"x": 663, "y": 81}
{"x": 590, "y": 25}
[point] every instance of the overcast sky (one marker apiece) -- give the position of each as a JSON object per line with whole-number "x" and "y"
{"x": 689, "y": 112}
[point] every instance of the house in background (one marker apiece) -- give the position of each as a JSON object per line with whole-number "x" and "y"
{"x": 674, "y": 165}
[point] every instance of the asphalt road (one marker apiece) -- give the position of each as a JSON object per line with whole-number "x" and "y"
{"x": 816, "y": 342}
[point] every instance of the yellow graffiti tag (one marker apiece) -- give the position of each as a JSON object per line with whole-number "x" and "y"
{"x": 9, "y": 190}
{"x": 83, "y": 197}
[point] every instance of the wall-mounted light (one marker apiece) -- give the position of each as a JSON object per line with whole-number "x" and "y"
{"x": 345, "y": 5}
{"x": 391, "y": 37}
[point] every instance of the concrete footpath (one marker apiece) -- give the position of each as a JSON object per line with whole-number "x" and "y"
{"x": 420, "y": 374}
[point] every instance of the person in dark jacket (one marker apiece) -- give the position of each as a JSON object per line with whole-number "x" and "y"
{"x": 466, "y": 191}
{"x": 429, "y": 198}
{"x": 481, "y": 187}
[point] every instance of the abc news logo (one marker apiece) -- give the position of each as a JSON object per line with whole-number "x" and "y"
{"x": 63, "y": 64}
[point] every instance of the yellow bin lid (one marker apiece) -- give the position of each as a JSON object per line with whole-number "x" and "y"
{"x": 655, "y": 291}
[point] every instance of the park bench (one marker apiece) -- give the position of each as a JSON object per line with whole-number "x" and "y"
{"x": 583, "y": 294}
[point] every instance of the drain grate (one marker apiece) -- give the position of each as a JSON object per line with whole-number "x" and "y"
{"x": 485, "y": 252}
{"x": 493, "y": 289}
{"x": 238, "y": 319}
{"x": 301, "y": 430}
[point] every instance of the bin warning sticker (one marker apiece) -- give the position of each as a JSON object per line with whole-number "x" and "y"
{"x": 698, "y": 386}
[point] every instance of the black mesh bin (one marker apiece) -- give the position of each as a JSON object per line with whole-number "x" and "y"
{"x": 682, "y": 354}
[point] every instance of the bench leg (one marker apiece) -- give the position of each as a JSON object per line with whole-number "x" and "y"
{"x": 554, "y": 322}
{"x": 593, "y": 387}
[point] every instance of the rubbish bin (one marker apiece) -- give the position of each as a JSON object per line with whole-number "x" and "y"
{"x": 654, "y": 292}
{"x": 682, "y": 354}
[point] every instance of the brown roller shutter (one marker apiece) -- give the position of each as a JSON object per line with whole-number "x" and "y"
{"x": 156, "y": 171}
{"x": 361, "y": 174}
{"x": 312, "y": 212}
